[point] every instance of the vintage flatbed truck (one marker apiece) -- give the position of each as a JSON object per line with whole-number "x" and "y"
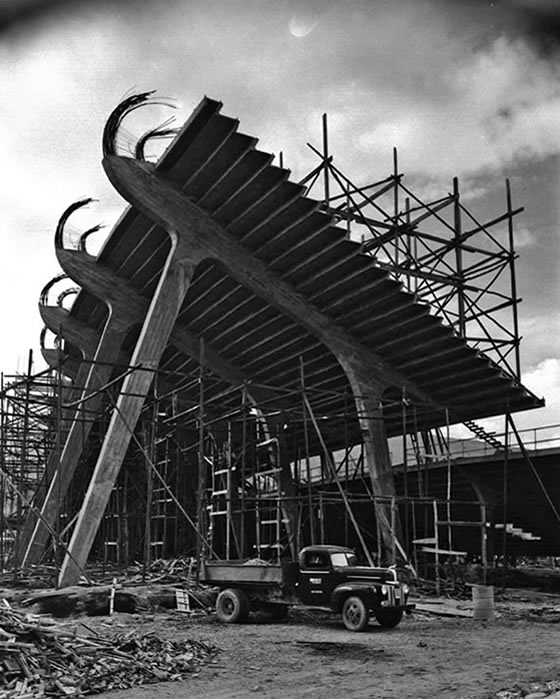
{"x": 323, "y": 578}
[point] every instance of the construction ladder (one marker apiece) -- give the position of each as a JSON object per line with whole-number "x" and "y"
{"x": 161, "y": 517}
{"x": 270, "y": 523}
{"x": 219, "y": 506}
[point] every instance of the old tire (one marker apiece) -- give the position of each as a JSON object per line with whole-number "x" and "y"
{"x": 389, "y": 618}
{"x": 355, "y": 614}
{"x": 232, "y": 606}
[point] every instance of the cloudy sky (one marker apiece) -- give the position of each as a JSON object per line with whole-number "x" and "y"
{"x": 467, "y": 89}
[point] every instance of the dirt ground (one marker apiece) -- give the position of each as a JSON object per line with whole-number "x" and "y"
{"x": 314, "y": 656}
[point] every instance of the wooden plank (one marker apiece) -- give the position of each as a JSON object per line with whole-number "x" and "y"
{"x": 442, "y": 610}
{"x": 446, "y": 552}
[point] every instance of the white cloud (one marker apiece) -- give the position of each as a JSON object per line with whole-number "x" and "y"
{"x": 523, "y": 237}
{"x": 496, "y": 106}
{"x": 386, "y": 73}
{"x": 544, "y": 380}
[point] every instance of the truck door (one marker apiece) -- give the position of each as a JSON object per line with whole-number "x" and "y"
{"x": 314, "y": 579}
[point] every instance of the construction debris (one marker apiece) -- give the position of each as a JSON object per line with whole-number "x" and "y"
{"x": 535, "y": 690}
{"x": 39, "y": 658}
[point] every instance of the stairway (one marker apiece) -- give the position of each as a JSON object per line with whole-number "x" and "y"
{"x": 484, "y": 435}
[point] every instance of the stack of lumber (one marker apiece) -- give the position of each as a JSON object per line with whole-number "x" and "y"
{"x": 39, "y": 658}
{"x": 162, "y": 570}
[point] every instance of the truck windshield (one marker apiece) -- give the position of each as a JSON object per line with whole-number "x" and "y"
{"x": 343, "y": 559}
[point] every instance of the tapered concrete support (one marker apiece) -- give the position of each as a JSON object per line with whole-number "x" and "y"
{"x": 58, "y": 320}
{"x": 378, "y": 458}
{"x": 99, "y": 374}
{"x": 367, "y": 388}
{"x": 160, "y": 319}
{"x": 125, "y": 303}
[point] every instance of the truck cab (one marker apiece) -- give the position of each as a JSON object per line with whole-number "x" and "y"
{"x": 330, "y": 575}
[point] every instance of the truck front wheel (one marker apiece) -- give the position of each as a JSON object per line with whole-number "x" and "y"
{"x": 355, "y": 614}
{"x": 232, "y": 606}
{"x": 389, "y": 618}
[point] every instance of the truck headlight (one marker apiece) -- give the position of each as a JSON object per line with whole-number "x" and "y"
{"x": 405, "y": 589}
{"x": 384, "y": 590}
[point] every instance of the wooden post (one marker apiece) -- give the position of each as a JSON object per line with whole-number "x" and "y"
{"x": 483, "y": 541}
{"x": 504, "y": 505}
{"x": 405, "y": 472}
{"x": 396, "y": 209}
{"x": 327, "y": 195}
{"x": 201, "y": 494}
{"x": 459, "y": 260}
{"x": 229, "y": 494}
{"x": 148, "y": 440}
{"x": 244, "y": 407}
{"x": 394, "y": 538}
{"x": 436, "y": 537}
{"x": 448, "y": 504}
{"x": 58, "y": 450}
{"x": 378, "y": 533}
{"x": 307, "y": 461}
{"x": 414, "y": 536}
{"x": 321, "y": 520}
{"x": 23, "y": 461}
{"x": 513, "y": 282}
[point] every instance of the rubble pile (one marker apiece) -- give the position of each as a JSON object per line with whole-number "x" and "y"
{"x": 160, "y": 570}
{"x": 38, "y": 659}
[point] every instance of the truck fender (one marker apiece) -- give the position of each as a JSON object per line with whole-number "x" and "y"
{"x": 341, "y": 592}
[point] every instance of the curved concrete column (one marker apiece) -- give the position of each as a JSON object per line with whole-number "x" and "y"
{"x": 367, "y": 373}
{"x": 57, "y": 320}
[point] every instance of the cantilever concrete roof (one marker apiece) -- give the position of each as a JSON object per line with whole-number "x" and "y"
{"x": 223, "y": 172}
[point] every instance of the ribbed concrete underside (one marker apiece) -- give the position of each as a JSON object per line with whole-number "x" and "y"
{"x": 228, "y": 177}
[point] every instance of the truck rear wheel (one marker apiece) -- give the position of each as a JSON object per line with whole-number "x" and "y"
{"x": 389, "y": 618}
{"x": 232, "y": 606}
{"x": 355, "y": 614}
